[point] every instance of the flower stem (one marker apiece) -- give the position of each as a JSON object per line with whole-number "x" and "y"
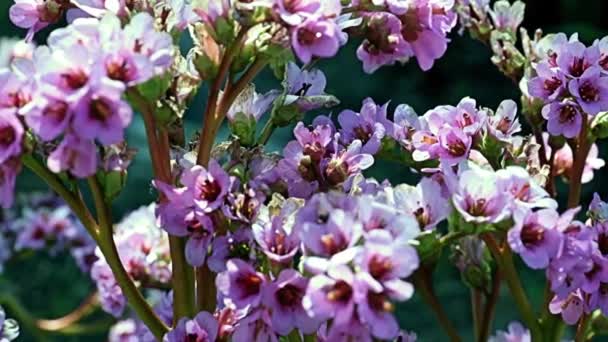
{"x": 476, "y": 310}
{"x": 424, "y": 285}
{"x": 578, "y": 166}
{"x": 182, "y": 278}
{"x": 108, "y": 248}
{"x": 504, "y": 259}
{"x": 72, "y": 200}
{"x": 581, "y": 329}
{"x": 267, "y": 131}
{"x": 490, "y": 307}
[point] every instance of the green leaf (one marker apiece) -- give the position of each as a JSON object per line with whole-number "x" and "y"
{"x": 244, "y": 127}
{"x": 155, "y": 88}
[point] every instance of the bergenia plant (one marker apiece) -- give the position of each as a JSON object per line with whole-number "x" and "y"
{"x": 246, "y": 244}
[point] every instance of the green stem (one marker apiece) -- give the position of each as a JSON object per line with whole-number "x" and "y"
{"x": 310, "y": 338}
{"x": 424, "y": 286}
{"x": 72, "y": 200}
{"x": 504, "y": 259}
{"x": 267, "y": 131}
{"x": 108, "y": 248}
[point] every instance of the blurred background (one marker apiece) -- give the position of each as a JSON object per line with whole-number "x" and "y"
{"x": 52, "y": 287}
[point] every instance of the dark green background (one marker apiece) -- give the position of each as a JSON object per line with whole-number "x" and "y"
{"x": 52, "y": 287}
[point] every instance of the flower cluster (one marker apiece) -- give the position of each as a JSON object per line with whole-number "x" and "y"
{"x": 144, "y": 252}
{"x": 45, "y": 223}
{"x": 404, "y": 29}
{"x": 70, "y": 92}
{"x": 571, "y": 80}
{"x": 355, "y": 254}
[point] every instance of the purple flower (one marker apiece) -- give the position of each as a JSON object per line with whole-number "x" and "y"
{"x": 11, "y": 135}
{"x": 302, "y": 85}
{"x": 563, "y": 118}
{"x": 33, "y": 15}
{"x": 425, "y": 24}
{"x": 8, "y": 176}
{"x": 49, "y": 114}
{"x": 387, "y": 261}
{"x": 549, "y": 84}
{"x": 208, "y": 188}
{"x": 337, "y": 231}
{"x": 455, "y": 145}
{"x": 294, "y": 12}
{"x": 284, "y": 297}
{"x": 375, "y": 308}
{"x": 591, "y": 91}
{"x": 405, "y": 123}
{"x": 232, "y": 245}
{"x": 141, "y": 36}
{"x": 110, "y": 295}
{"x": 477, "y": 198}
{"x": 315, "y": 37}
{"x": 504, "y": 123}
{"x": 526, "y": 192}
{"x": 383, "y": 44}
{"x": 570, "y": 308}
{"x": 536, "y": 236}
{"x": 365, "y": 126}
{"x": 598, "y": 213}
{"x": 76, "y": 155}
{"x": 102, "y": 114}
{"x": 425, "y": 202}
{"x": 277, "y": 243}
{"x": 241, "y": 285}
{"x": 346, "y": 163}
{"x": 574, "y": 59}
{"x": 201, "y": 234}
{"x": 203, "y": 328}
{"x": 516, "y": 333}
{"x": 257, "y": 326}
{"x": 331, "y": 295}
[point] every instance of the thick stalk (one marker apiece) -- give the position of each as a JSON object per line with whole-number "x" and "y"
{"x": 182, "y": 275}
{"x": 476, "y": 304}
{"x": 424, "y": 286}
{"x": 581, "y": 329}
{"x": 504, "y": 259}
{"x": 578, "y": 166}
{"x": 213, "y": 119}
{"x": 108, "y": 248}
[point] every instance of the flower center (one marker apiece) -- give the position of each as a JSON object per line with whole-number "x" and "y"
{"x": 478, "y": 207}
{"x": 578, "y": 67}
{"x": 552, "y": 84}
{"x": 589, "y": 93}
{"x": 56, "y": 111}
{"x": 341, "y": 292}
{"x": 378, "y": 302}
{"x": 250, "y": 284}
{"x": 308, "y": 37}
{"x": 567, "y": 114}
{"x": 411, "y": 25}
{"x": 7, "y": 135}
{"x": 209, "y": 190}
{"x": 75, "y": 79}
{"x": 457, "y": 148}
{"x": 380, "y": 267}
{"x": 289, "y": 295}
{"x": 119, "y": 69}
{"x": 100, "y": 110}
{"x": 532, "y": 235}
